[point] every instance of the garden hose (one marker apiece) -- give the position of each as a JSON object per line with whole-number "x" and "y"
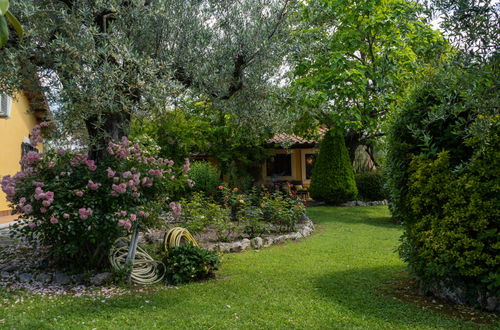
{"x": 175, "y": 236}
{"x": 145, "y": 270}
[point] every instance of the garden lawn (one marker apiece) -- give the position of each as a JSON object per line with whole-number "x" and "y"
{"x": 337, "y": 278}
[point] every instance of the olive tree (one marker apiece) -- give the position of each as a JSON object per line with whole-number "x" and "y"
{"x": 101, "y": 62}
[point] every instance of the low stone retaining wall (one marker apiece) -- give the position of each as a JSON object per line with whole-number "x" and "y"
{"x": 305, "y": 229}
{"x": 361, "y": 203}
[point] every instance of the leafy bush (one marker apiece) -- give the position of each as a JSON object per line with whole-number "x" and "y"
{"x": 206, "y": 177}
{"x": 282, "y": 211}
{"x": 370, "y": 186}
{"x": 252, "y": 218}
{"x": 333, "y": 177}
{"x": 442, "y": 173}
{"x": 452, "y": 233}
{"x": 77, "y": 207}
{"x": 199, "y": 212}
{"x": 188, "y": 263}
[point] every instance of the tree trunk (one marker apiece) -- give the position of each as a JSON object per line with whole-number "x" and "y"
{"x": 352, "y": 142}
{"x": 115, "y": 126}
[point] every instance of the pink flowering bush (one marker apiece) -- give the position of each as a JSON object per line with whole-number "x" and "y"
{"x": 78, "y": 207}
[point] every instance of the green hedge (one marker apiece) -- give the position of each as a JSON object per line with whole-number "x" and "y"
{"x": 370, "y": 186}
{"x": 333, "y": 177}
{"x": 444, "y": 187}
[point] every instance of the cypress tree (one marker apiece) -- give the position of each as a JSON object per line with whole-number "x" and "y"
{"x": 333, "y": 176}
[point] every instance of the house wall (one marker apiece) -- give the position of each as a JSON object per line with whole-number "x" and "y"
{"x": 298, "y": 166}
{"x": 13, "y": 131}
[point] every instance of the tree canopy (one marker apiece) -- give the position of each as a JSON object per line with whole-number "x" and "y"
{"x": 102, "y": 61}
{"x": 357, "y": 61}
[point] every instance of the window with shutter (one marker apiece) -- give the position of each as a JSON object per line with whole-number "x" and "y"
{"x": 5, "y": 105}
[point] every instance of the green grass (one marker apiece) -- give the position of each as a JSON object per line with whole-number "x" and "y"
{"x": 334, "y": 279}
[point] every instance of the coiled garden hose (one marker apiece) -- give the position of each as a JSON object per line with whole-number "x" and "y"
{"x": 176, "y": 237}
{"x": 145, "y": 270}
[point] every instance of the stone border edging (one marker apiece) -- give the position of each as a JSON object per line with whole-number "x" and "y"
{"x": 361, "y": 203}
{"x": 305, "y": 229}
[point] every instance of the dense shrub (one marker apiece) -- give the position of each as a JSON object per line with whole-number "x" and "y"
{"x": 452, "y": 233}
{"x": 206, "y": 177}
{"x": 252, "y": 218}
{"x": 282, "y": 211}
{"x": 188, "y": 263}
{"x": 199, "y": 212}
{"x": 333, "y": 177}
{"x": 370, "y": 186}
{"x": 442, "y": 173}
{"x": 78, "y": 207}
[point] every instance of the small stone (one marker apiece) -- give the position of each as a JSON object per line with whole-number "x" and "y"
{"x": 236, "y": 247}
{"x": 44, "y": 277}
{"x": 245, "y": 244}
{"x": 61, "y": 278}
{"x": 100, "y": 279}
{"x": 78, "y": 278}
{"x": 25, "y": 277}
{"x": 257, "y": 243}
{"x": 224, "y": 247}
{"x": 268, "y": 241}
{"x": 491, "y": 304}
{"x": 351, "y": 203}
{"x": 5, "y": 274}
{"x": 294, "y": 236}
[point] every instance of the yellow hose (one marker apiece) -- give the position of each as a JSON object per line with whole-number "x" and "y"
{"x": 175, "y": 236}
{"x": 145, "y": 270}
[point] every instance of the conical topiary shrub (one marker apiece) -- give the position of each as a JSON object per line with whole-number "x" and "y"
{"x": 333, "y": 176}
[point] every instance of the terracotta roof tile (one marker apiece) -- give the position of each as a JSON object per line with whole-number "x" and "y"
{"x": 290, "y": 139}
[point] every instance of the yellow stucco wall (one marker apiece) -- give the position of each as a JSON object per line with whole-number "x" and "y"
{"x": 13, "y": 131}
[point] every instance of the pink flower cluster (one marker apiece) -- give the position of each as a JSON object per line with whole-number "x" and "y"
{"x": 9, "y": 187}
{"x": 186, "y": 165}
{"x": 92, "y": 185}
{"x": 176, "y": 210}
{"x": 127, "y": 222}
{"x": 83, "y": 159}
{"x": 35, "y": 136}
{"x": 47, "y": 197}
{"x": 25, "y": 208}
{"x": 31, "y": 158}
{"x": 85, "y": 213}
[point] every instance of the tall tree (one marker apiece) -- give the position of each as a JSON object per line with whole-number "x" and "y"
{"x": 357, "y": 61}
{"x": 104, "y": 60}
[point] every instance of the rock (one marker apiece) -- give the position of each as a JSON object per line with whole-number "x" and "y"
{"x": 491, "y": 304}
{"x": 268, "y": 241}
{"x": 236, "y": 247}
{"x": 306, "y": 231}
{"x": 78, "y": 278}
{"x": 25, "y": 277}
{"x": 351, "y": 203}
{"x": 224, "y": 247}
{"x": 245, "y": 244}
{"x": 294, "y": 236}
{"x": 257, "y": 243}
{"x": 61, "y": 278}
{"x": 44, "y": 277}
{"x": 5, "y": 274}
{"x": 100, "y": 279}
